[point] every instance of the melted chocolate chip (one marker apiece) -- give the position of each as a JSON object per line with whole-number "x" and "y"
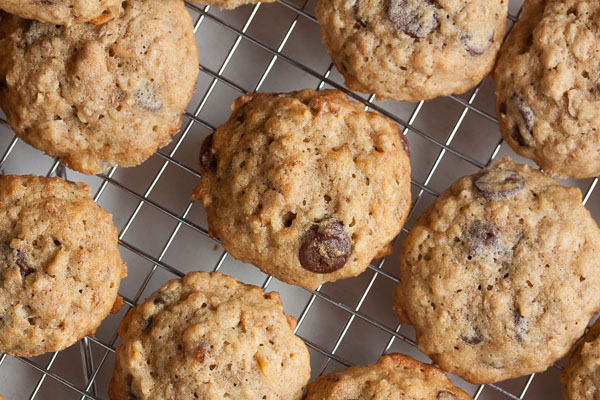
{"x": 416, "y": 18}
{"x": 158, "y": 301}
{"x": 38, "y": 31}
{"x": 483, "y": 236}
{"x": 445, "y": 395}
{"x": 23, "y": 267}
{"x": 475, "y": 47}
{"x": 326, "y": 247}
{"x": 503, "y": 108}
{"x": 474, "y": 337}
{"x": 148, "y": 324}
{"x": 495, "y": 184}
{"x": 208, "y": 158}
{"x": 147, "y": 99}
{"x": 355, "y": 10}
{"x": 520, "y": 325}
{"x": 132, "y": 396}
{"x": 525, "y": 121}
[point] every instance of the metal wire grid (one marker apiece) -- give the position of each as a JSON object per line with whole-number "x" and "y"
{"x": 95, "y": 354}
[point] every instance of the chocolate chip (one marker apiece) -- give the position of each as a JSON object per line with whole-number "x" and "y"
{"x": 482, "y": 236}
{"x": 357, "y": 17}
{"x": 146, "y": 98}
{"x": 503, "y": 108}
{"x": 405, "y": 144}
{"x": 476, "y": 47}
{"x": 148, "y": 324}
{"x": 132, "y": 396}
{"x": 494, "y": 184}
{"x": 208, "y": 158}
{"x": 445, "y": 395}
{"x": 326, "y": 247}
{"x": 416, "y": 18}
{"x": 523, "y": 130}
{"x": 158, "y": 301}
{"x": 520, "y": 325}
{"x": 23, "y": 267}
{"x": 474, "y": 337}
{"x": 37, "y": 31}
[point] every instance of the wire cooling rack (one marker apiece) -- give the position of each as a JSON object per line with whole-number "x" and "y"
{"x": 163, "y": 235}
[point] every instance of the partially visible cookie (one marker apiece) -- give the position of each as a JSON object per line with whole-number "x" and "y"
{"x": 229, "y": 4}
{"x": 394, "y": 377}
{"x": 581, "y": 378}
{"x": 208, "y": 336}
{"x": 98, "y": 95}
{"x": 62, "y": 12}
{"x": 60, "y": 266}
{"x": 307, "y": 186}
{"x": 500, "y": 275}
{"x": 547, "y": 87}
{"x": 412, "y": 50}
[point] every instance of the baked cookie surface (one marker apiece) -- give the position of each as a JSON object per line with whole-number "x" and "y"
{"x": 62, "y": 12}
{"x": 307, "y": 185}
{"x": 60, "y": 266}
{"x": 500, "y": 275}
{"x": 581, "y": 378}
{"x": 209, "y": 336}
{"x": 393, "y": 377}
{"x": 547, "y": 96}
{"x": 98, "y": 95}
{"x": 412, "y": 50}
{"x": 229, "y": 4}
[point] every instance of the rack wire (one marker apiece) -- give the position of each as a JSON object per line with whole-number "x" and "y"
{"x": 162, "y": 233}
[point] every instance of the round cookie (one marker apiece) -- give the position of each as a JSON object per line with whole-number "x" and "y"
{"x": 412, "y": 50}
{"x": 62, "y": 12}
{"x": 547, "y": 91}
{"x": 97, "y": 95}
{"x": 229, "y": 4}
{"x": 60, "y": 266}
{"x": 394, "y": 377}
{"x": 500, "y": 275}
{"x": 581, "y": 378}
{"x": 307, "y": 185}
{"x": 208, "y": 336}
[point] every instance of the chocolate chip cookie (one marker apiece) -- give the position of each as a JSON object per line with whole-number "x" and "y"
{"x": 60, "y": 266}
{"x": 500, "y": 275}
{"x": 548, "y": 87}
{"x": 62, "y": 12}
{"x": 581, "y": 378}
{"x": 208, "y": 336}
{"x": 99, "y": 95}
{"x": 307, "y": 185}
{"x": 412, "y": 50}
{"x": 394, "y": 377}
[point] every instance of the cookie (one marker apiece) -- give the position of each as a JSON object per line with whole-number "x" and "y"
{"x": 307, "y": 185}
{"x": 412, "y": 50}
{"x": 208, "y": 336}
{"x": 60, "y": 266}
{"x": 62, "y": 12}
{"x": 547, "y": 87}
{"x": 500, "y": 277}
{"x": 394, "y": 377}
{"x": 99, "y": 95}
{"x": 581, "y": 378}
{"x": 229, "y": 4}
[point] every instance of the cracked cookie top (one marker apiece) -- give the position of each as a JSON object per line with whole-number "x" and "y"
{"x": 412, "y": 50}
{"x": 60, "y": 266}
{"x": 99, "y": 95}
{"x": 208, "y": 336}
{"x": 308, "y": 186}
{"x": 500, "y": 275}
